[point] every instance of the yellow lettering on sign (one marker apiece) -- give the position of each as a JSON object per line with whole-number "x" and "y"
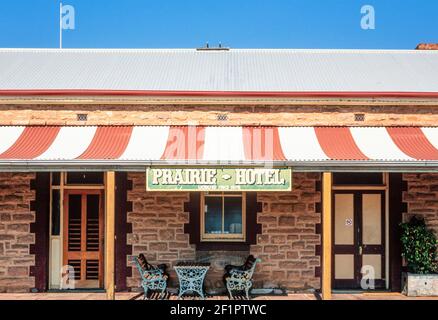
{"x": 178, "y": 178}
{"x": 240, "y": 177}
{"x": 167, "y": 177}
{"x": 259, "y": 177}
{"x": 253, "y": 178}
{"x": 210, "y": 176}
{"x": 156, "y": 174}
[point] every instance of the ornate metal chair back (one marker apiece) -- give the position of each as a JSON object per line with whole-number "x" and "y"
{"x": 252, "y": 267}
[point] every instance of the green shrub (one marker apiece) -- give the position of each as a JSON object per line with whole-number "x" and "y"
{"x": 419, "y": 247}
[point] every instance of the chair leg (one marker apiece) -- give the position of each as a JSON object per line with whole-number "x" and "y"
{"x": 230, "y": 294}
{"x": 145, "y": 293}
{"x": 163, "y": 293}
{"x": 247, "y": 293}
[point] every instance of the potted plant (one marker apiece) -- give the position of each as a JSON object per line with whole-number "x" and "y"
{"x": 419, "y": 249}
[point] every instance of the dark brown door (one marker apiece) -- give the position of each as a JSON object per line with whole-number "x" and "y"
{"x": 83, "y": 236}
{"x": 359, "y": 239}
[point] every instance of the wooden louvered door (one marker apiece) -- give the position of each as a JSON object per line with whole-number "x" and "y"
{"x": 83, "y": 236}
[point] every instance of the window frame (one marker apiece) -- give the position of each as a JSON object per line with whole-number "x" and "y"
{"x": 225, "y": 237}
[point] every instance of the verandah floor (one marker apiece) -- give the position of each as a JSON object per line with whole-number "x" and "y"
{"x": 136, "y": 296}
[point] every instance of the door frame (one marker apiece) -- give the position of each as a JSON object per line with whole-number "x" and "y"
{"x": 358, "y": 192}
{"x": 85, "y": 191}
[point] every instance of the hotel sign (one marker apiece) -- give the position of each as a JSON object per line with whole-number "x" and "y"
{"x": 218, "y": 179}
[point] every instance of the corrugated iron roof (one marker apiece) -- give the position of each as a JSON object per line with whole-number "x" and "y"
{"x": 236, "y": 70}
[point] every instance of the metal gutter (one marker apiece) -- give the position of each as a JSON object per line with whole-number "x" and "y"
{"x": 302, "y": 166}
{"x": 170, "y": 93}
{"x": 207, "y": 101}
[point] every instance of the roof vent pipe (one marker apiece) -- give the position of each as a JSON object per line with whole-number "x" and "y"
{"x": 218, "y": 48}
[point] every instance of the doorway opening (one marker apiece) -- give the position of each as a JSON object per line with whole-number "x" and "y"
{"x": 77, "y": 231}
{"x": 360, "y": 242}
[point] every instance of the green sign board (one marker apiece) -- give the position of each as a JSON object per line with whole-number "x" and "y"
{"x": 218, "y": 179}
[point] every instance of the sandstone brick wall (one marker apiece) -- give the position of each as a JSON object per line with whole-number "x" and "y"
{"x": 15, "y": 236}
{"x": 157, "y": 226}
{"x": 287, "y": 245}
{"x": 422, "y": 197}
{"x": 307, "y": 114}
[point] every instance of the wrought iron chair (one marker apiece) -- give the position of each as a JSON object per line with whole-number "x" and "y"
{"x": 238, "y": 278}
{"x": 152, "y": 278}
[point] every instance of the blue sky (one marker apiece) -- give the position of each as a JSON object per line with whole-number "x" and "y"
{"x": 400, "y": 24}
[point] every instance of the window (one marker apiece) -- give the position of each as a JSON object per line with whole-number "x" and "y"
{"x": 358, "y": 178}
{"x": 223, "y": 216}
{"x": 56, "y": 178}
{"x": 56, "y": 212}
{"x": 89, "y": 178}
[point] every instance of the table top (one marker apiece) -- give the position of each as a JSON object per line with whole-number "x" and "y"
{"x": 192, "y": 264}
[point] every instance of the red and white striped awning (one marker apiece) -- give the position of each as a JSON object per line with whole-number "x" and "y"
{"x": 126, "y": 146}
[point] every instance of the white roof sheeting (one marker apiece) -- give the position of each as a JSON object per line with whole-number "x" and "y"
{"x": 243, "y": 70}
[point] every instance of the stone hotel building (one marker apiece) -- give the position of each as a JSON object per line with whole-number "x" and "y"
{"x": 306, "y": 159}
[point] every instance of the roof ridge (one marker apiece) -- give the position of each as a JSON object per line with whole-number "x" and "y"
{"x": 332, "y": 50}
